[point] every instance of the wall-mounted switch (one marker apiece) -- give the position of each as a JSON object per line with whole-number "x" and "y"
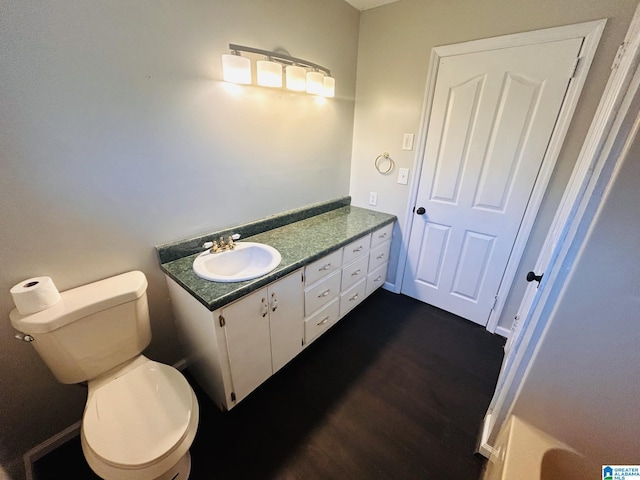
{"x": 407, "y": 141}
{"x": 373, "y": 198}
{"x": 403, "y": 176}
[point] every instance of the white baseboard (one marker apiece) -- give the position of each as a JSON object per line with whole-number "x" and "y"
{"x": 390, "y": 286}
{"x": 503, "y": 332}
{"x": 484, "y": 448}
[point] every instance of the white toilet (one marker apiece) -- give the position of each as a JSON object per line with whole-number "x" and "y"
{"x": 141, "y": 416}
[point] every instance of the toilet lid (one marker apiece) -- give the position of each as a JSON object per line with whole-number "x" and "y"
{"x": 139, "y": 417}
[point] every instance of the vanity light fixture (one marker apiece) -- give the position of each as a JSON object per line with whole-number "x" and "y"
{"x": 299, "y": 75}
{"x": 236, "y": 69}
{"x": 269, "y": 73}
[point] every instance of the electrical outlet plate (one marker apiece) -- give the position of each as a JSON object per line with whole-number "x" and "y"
{"x": 373, "y": 198}
{"x": 403, "y": 176}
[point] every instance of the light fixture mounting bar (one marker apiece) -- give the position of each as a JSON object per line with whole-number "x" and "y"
{"x": 288, "y": 59}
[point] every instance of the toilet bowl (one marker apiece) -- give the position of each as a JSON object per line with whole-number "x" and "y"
{"x": 141, "y": 416}
{"x": 139, "y": 422}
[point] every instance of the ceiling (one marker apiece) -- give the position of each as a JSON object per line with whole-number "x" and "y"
{"x": 367, "y": 4}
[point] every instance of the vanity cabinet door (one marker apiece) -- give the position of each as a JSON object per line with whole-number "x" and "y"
{"x": 246, "y": 325}
{"x": 286, "y": 313}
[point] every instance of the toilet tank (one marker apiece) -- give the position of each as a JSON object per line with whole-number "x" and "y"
{"x": 92, "y": 329}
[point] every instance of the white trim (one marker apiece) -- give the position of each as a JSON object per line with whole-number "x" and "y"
{"x": 502, "y": 331}
{"x": 484, "y": 448}
{"x": 601, "y": 154}
{"x": 591, "y": 32}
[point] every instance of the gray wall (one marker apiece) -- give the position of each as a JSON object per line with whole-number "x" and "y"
{"x": 117, "y": 134}
{"x": 582, "y": 386}
{"x": 393, "y": 55}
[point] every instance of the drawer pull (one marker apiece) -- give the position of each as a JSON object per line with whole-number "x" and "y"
{"x": 357, "y": 272}
{"x": 323, "y": 321}
{"x": 383, "y": 235}
{"x": 359, "y": 249}
{"x": 326, "y": 267}
{"x": 377, "y": 279}
{"x": 325, "y": 293}
{"x": 354, "y": 297}
{"x": 264, "y": 307}
{"x": 380, "y": 256}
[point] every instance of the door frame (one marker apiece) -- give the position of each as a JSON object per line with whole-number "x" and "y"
{"x": 591, "y": 33}
{"x": 614, "y": 124}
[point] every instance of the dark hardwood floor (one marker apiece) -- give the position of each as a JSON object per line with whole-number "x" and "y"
{"x": 397, "y": 390}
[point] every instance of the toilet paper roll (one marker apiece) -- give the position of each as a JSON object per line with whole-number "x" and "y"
{"x": 34, "y": 295}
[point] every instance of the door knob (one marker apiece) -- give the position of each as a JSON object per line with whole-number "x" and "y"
{"x": 420, "y": 211}
{"x": 531, "y": 276}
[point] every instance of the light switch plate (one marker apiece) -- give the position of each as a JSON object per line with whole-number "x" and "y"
{"x": 407, "y": 141}
{"x": 403, "y": 176}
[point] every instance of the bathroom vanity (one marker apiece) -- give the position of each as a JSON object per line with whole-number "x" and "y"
{"x": 239, "y": 334}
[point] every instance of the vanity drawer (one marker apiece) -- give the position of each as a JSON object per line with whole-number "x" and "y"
{"x": 320, "y": 268}
{"x": 316, "y": 324}
{"x": 352, "y": 297}
{"x": 376, "y": 278}
{"x": 322, "y": 293}
{"x": 381, "y": 235}
{"x": 355, "y": 249}
{"x": 354, "y": 272}
{"x": 379, "y": 255}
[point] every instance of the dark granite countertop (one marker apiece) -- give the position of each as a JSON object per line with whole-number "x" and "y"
{"x": 300, "y": 242}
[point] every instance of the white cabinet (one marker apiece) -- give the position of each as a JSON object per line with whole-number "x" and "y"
{"x": 322, "y": 289}
{"x": 246, "y": 328}
{"x": 286, "y": 313}
{"x": 320, "y": 321}
{"x": 234, "y": 349}
{"x": 264, "y": 330}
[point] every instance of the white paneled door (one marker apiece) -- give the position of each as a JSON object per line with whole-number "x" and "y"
{"x": 492, "y": 116}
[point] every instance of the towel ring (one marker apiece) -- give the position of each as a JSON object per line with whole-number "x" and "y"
{"x": 379, "y": 161}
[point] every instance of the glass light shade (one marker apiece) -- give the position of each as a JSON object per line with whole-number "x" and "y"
{"x": 269, "y": 73}
{"x": 296, "y": 78}
{"x": 236, "y": 69}
{"x": 329, "y": 84}
{"x": 315, "y": 84}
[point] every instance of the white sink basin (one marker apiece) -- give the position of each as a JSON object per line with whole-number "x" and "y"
{"x": 247, "y": 261}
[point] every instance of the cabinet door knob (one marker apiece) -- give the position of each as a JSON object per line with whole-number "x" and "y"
{"x": 274, "y": 302}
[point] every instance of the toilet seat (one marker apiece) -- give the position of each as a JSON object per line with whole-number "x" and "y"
{"x": 139, "y": 418}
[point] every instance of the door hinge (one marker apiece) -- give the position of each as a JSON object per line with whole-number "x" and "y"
{"x": 574, "y": 67}
{"x": 302, "y": 276}
{"x": 495, "y": 301}
{"x": 302, "y": 342}
{"x": 233, "y": 396}
{"x": 619, "y": 54}
{"x": 222, "y": 321}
